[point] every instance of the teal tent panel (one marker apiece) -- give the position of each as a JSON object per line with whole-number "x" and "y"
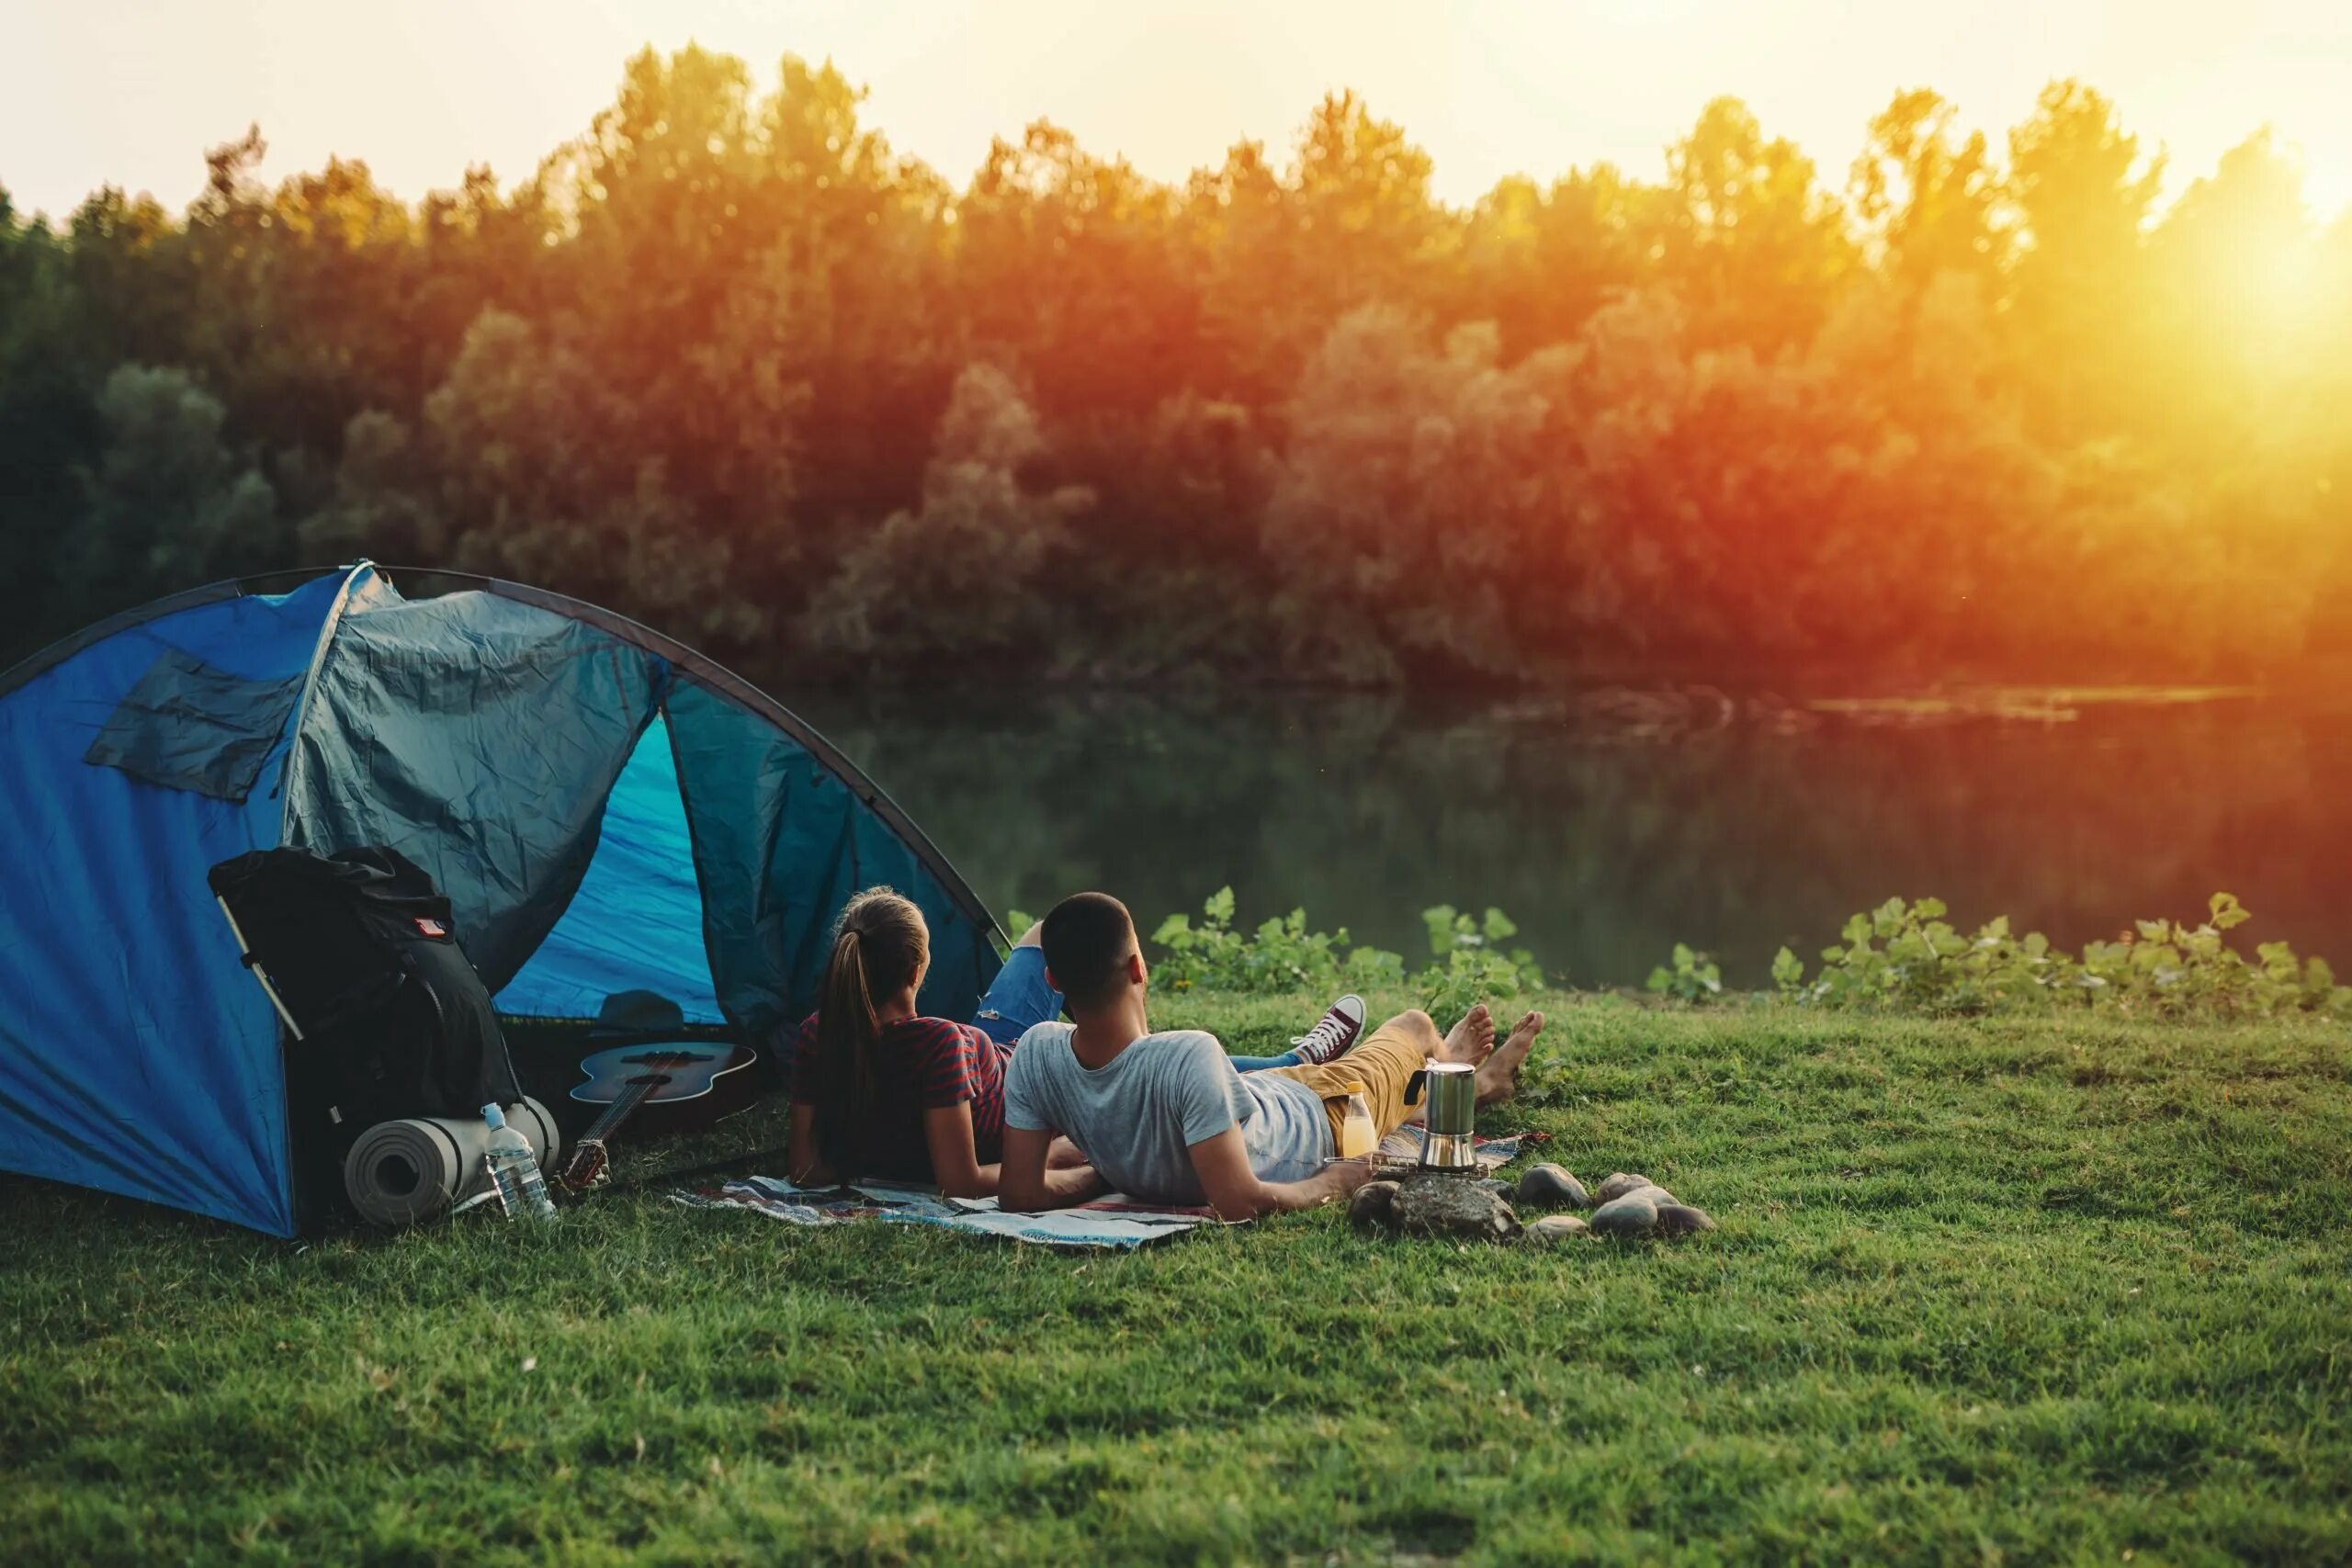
{"x": 771, "y": 844}
{"x": 479, "y": 737}
{"x": 136, "y": 1055}
{"x": 963, "y": 960}
{"x": 781, "y": 839}
{"x": 636, "y": 923}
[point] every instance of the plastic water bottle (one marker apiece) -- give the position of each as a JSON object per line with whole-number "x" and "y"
{"x": 515, "y": 1170}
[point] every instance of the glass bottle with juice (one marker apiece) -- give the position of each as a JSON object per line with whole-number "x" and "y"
{"x": 1358, "y": 1134}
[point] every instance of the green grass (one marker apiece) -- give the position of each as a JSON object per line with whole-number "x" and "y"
{"x": 2040, "y": 1290}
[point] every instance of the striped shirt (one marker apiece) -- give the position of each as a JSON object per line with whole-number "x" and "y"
{"x": 922, "y": 1064}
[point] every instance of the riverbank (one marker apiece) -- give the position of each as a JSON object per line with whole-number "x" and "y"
{"x": 1609, "y": 849}
{"x": 2048, "y": 1287}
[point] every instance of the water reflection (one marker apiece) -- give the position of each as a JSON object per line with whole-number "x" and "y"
{"x": 1733, "y": 827}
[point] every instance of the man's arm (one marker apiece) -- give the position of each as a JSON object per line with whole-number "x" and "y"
{"x": 1222, "y": 1163}
{"x": 1025, "y": 1185}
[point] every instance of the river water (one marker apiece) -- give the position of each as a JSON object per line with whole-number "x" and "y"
{"x": 1612, "y": 825}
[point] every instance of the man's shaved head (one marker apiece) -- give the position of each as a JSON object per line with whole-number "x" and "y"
{"x": 1088, "y": 939}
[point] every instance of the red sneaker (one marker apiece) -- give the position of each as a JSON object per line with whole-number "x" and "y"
{"x": 1333, "y": 1034}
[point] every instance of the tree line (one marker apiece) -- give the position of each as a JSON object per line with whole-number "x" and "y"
{"x": 729, "y": 363}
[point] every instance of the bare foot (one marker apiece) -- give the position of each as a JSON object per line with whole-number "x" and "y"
{"x": 1470, "y": 1040}
{"x": 1499, "y": 1078}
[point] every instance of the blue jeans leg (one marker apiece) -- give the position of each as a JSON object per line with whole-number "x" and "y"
{"x": 1260, "y": 1064}
{"x": 1018, "y": 997}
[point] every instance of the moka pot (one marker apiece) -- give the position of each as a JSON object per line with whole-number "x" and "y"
{"x": 1452, "y": 1111}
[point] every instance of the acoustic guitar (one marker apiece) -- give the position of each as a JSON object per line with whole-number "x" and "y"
{"x": 683, "y": 1086}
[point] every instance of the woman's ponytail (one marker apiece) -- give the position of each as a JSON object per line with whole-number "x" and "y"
{"x": 878, "y": 945}
{"x": 845, "y": 1005}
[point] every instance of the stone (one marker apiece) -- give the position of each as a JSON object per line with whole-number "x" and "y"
{"x": 1619, "y": 1184}
{"x": 1631, "y": 1215}
{"x": 1374, "y": 1207}
{"x": 1549, "y": 1186}
{"x": 1557, "y": 1228}
{"x": 1449, "y": 1205}
{"x": 1680, "y": 1219}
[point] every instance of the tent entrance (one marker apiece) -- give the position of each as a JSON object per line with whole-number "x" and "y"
{"x": 637, "y": 922}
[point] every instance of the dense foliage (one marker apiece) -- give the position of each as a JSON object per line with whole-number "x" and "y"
{"x": 1906, "y": 956}
{"x": 1467, "y": 961}
{"x": 728, "y": 361}
{"x": 1902, "y": 956}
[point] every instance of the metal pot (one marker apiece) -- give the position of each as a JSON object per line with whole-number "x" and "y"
{"x": 1451, "y": 1115}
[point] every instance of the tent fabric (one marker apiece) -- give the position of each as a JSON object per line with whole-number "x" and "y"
{"x": 605, "y": 810}
{"x": 784, "y": 839}
{"x": 478, "y": 737}
{"x": 188, "y": 726}
{"x": 637, "y": 921}
{"x": 136, "y": 1056}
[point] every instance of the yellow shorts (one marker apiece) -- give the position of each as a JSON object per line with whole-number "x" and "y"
{"x": 1384, "y": 1063}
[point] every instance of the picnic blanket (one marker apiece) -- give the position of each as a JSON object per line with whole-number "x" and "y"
{"x": 1114, "y": 1221}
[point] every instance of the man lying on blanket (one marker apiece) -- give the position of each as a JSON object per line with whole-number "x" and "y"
{"x": 1165, "y": 1117}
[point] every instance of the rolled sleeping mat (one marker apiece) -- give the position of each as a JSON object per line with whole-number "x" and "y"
{"x": 418, "y": 1168}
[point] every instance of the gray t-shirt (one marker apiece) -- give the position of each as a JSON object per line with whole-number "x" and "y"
{"x": 1137, "y": 1118}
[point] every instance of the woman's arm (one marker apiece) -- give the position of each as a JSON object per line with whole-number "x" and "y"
{"x": 954, "y": 1157}
{"x": 808, "y": 1163}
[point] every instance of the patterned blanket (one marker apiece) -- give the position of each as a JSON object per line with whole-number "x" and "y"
{"x": 1113, "y": 1221}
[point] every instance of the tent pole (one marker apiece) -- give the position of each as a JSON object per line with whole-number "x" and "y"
{"x": 259, "y": 973}
{"x": 291, "y": 777}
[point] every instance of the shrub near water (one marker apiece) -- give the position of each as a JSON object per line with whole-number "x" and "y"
{"x": 1908, "y": 956}
{"x": 1900, "y": 957}
{"x": 1689, "y": 976}
{"x": 1282, "y": 955}
{"x": 1468, "y": 962}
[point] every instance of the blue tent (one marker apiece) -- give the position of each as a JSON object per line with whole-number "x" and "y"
{"x": 607, "y": 810}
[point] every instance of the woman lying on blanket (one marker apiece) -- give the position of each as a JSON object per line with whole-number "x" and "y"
{"x": 879, "y": 1090}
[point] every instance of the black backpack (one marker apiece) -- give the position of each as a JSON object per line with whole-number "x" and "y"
{"x": 362, "y": 952}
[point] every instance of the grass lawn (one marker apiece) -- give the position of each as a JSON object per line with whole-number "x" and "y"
{"x": 2028, "y": 1290}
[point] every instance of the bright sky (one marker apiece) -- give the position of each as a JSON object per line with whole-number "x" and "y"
{"x": 130, "y": 92}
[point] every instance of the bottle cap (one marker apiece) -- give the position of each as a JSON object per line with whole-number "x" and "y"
{"x": 493, "y": 1116}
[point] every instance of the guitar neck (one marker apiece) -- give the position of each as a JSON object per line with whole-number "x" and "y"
{"x": 586, "y": 1166}
{"x": 624, "y": 1105}
{"x": 654, "y": 1074}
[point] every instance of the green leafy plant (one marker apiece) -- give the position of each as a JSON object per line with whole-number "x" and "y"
{"x": 1280, "y": 954}
{"x": 1470, "y": 965}
{"x": 1688, "y": 978}
{"x": 1908, "y": 956}
{"x": 1469, "y": 961}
